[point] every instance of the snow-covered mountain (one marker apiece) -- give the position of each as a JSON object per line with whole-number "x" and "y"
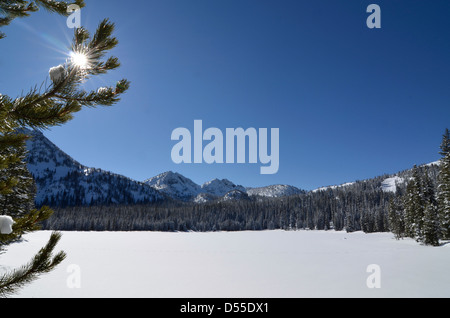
{"x": 175, "y": 185}
{"x": 220, "y": 187}
{"x": 179, "y": 187}
{"x": 62, "y": 181}
{"x": 204, "y": 197}
{"x": 274, "y": 191}
{"x": 388, "y": 183}
{"x": 235, "y": 195}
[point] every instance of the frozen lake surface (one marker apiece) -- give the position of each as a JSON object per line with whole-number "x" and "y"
{"x": 263, "y": 264}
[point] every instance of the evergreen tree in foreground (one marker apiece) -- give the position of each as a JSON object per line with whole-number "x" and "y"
{"x": 19, "y": 202}
{"x": 414, "y": 205}
{"x": 430, "y": 231}
{"x": 444, "y": 186}
{"x": 431, "y": 226}
{"x": 396, "y": 218}
{"x": 51, "y": 105}
{"x": 421, "y": 210}
{"x": 426, "y": 214}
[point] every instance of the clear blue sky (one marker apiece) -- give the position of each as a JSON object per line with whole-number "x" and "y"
{"x": 350, "y": 102}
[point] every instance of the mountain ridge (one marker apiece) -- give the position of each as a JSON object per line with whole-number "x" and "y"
{"x": 182, "y": 188}
{"x": 63, "y": 181}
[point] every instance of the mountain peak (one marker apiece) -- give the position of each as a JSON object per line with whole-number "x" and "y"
{"x": 274, "y": 191}
{"x": 62, "y": 181}
{"x": 174, "y": 185}
{"x": 221, "y": 187}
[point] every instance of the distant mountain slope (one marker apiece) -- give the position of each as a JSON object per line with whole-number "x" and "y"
{"x": 62, "y": 181}
{"x": 220, "y": 187}
{"x": 388, "y": 182}
{"x": 235, "y": 195}
{"x": 179, "y": 187}
{"x": 274, "y": 191}
{"x": 174, "y": 185}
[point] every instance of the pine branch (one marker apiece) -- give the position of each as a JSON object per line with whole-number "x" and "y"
{"x": 43, "y": 262}
{"x": 63, "y": 98}
{"x": 17, "y": 8}
{"x": 12, "y": 140}
{"x": 59, "y": 7}
{"x": 12, "y": 9}
{"x": 54, "y": 106}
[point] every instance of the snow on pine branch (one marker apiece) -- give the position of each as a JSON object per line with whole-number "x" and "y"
{"x": 6, "y": 223}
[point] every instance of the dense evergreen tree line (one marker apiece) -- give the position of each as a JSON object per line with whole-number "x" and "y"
{"x": 361, "y": 206}
{"x": 423, "y": 213}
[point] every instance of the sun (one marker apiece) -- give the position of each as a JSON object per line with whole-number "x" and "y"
{"x": 79, "y": 60}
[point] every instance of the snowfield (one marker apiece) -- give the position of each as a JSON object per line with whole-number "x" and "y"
{"x": 270, "y": 264}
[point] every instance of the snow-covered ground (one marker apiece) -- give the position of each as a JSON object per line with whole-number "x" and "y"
{"x": 233, "y": 265}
